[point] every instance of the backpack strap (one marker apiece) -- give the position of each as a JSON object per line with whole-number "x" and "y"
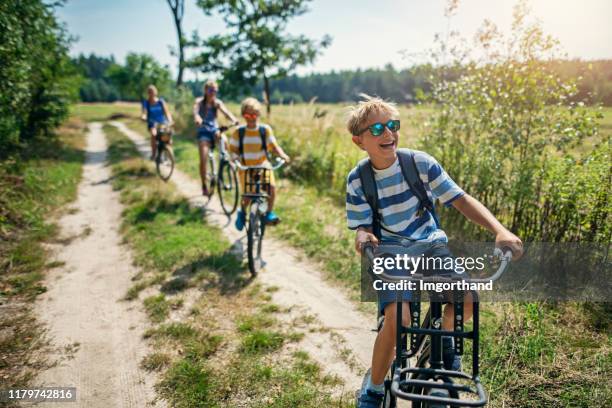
{"x": 264, "y": 142}
{"x": 412, "y": 177}
{"x": 241, "y": 132}
{"x": 368, "y": 183}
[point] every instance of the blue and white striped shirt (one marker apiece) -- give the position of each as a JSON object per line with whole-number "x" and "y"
{"x": 397, "y": 205}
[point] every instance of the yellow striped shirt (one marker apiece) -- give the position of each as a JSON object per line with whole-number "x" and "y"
{"x": 254, "y": 154}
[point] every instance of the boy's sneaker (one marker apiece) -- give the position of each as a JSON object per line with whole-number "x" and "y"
{"x": 240, "y": 220}
{"x": 272, "y": 218}
{"x": 370, "y": 399}
{"x": 451, "y": 360}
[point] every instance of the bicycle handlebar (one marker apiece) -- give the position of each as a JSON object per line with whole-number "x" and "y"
{"x": 278, "y": 165}
{"x": 504, "y": 256}
{"x": 226, "y": 128}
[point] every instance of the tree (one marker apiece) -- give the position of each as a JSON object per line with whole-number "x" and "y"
{"x": 257, "y": 46}
{"x": 139, "y": 71}
{"x": 506, "y": 128}
{"x": 178, "y": 11}
{"x": 37, "y": 79}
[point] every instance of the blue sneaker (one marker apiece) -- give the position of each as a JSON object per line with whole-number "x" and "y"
{"x": 370, "y": 399}
{"x": 272, "y": 218}
{"x": 451, "y": 360}
{"x": 240, "y": 220}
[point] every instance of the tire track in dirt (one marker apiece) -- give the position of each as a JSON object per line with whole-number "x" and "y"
{"x": 96, "y": 337}
{"x": 300, "y": 285}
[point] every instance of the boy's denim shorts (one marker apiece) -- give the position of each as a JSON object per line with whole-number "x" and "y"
{"x": 206, "y": 135}
{"x": 430, "y": 250}
{"x": 151, "y": 124}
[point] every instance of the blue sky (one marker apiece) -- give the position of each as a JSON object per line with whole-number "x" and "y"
{"x": 365, "y": 33}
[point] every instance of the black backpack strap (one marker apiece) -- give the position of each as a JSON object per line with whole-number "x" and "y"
{"x": 411, "y": 174}
{"x": 241, "y": 132}
{"x": 264, "y": 141}
{"x": 368, "y": 183}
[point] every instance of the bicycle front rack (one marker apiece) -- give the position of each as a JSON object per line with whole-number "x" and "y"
{"x": 430, "y": 382}
{"x": 257, "y": 182}
{"x": 406, "y": 380}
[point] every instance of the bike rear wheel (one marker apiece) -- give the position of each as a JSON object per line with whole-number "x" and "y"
{"x": 164, "y": 162}
{"x": 228, "y": 188}
{"x": 255, "y": 232}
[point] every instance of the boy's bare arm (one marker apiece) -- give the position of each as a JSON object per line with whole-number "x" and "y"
{"x": 476, "y": 212}
{"x": 280, "y": 152}
{"x": 196, "y": 112}
{"x": 167, "y": 113}
{"x": 227, "y": 113}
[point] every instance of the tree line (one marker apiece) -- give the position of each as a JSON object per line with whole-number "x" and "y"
{"x": 107, "y": 81}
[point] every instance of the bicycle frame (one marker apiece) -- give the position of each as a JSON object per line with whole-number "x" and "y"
{"x": 431, "y": 327}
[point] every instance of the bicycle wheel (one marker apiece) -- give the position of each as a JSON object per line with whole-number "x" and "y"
{"x": 255, "y": 232}
{"x": 164, "y": 163}
{"x": 423, "y": 361}
{"x": 211, "y": 176}
{"x": 228, "y": 188}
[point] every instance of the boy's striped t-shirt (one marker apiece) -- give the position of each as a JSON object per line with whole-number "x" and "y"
{"x": 254, "y": 154}
{"x": 397, "y": 204}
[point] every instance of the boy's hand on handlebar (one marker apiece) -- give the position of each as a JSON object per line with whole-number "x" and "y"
{"x": 364, "y": 237}
{"x": 285, "y": 158}
{"x": 506, "y": 239}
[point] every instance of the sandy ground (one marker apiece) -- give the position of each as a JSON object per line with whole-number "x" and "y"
{"x": 300, "y": 284}
{"x": 96, "y": 337}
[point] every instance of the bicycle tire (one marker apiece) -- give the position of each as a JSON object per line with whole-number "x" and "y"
{"x": 228, "y": 188}
{"x": 255, "y": 231}
{"x": 164, "y": 162}
{"x": 389, "y": 400}
{"x": 211, "y": 177}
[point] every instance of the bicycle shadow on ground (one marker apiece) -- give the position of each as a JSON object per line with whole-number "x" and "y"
{"x": 224, "y": 272}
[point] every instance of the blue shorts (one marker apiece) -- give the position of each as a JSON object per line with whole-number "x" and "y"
{"x": 429, "y": 250}
{"x": 206, "y": 135}
{"x": 151, "y": 124}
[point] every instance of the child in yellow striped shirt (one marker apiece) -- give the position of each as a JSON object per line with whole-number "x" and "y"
{"x": 255, "y": 136}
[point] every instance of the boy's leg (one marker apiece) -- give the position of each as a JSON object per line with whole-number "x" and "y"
{"x": 449, "y": 312}
{"x": 384, "y": 346}
{"x": 153, "y": 139}
{"x": 271, "y": 197}
{"x": 204, "y": 148}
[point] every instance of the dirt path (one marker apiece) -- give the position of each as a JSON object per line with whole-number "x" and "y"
{"x": 300, "y": 285}
{"x": 96, "y": 336}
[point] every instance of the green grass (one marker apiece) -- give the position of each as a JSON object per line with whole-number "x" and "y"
{"x": 91, "y": 112}
{"x": 34, "y": 186}
{"x": 157, "y": 308}
{"x": 230, "y": 345}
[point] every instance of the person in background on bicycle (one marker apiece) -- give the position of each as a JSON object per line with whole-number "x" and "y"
{"x": 205, "y": 111}
{"x": 155, "y": 111}
{"x": 255, "y": 136}
{"x": 374, "y": 126}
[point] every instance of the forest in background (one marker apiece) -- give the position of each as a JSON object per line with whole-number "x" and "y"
{"x": 102, "y": 81}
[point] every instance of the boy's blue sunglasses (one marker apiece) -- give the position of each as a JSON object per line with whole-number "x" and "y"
{"x": 378, "y": 128}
